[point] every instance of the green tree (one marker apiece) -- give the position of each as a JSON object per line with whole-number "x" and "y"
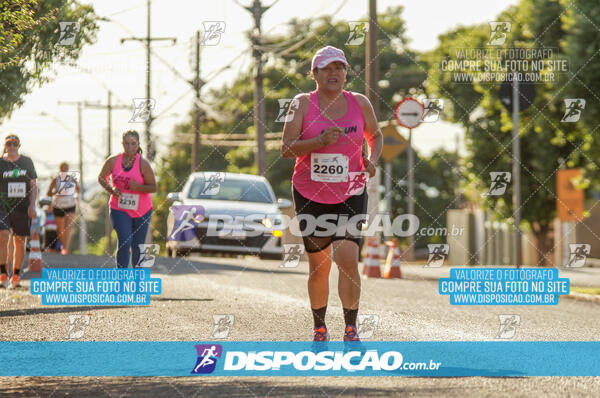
{"x": 582, "y": 47}
{"x": 545, "y": 141}
{"x": 29, "y": 32}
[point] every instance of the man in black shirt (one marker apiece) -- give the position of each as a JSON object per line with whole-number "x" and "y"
{"x": 18, "y": 193}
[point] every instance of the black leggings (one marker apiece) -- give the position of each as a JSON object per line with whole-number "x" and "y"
{"x": 353, "y": 206}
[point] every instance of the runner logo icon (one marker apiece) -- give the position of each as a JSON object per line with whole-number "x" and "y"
{"x": 65, "y": 183}
{"x": 222, "y": 325}
{"x": 358, "y": 181}
{"x": 437, "y": 254}
{"x": 212, "y": 32}
{"x": 68, "y": 33}
{"x": 142, "y": 108}
{"x": 148, "y": 253}
{"x": 573, "y": 109}
{"x": 187, "y": 217}
{"x": 433, "y": 109}
{"x": 367, "y": 323}
{"x": 500, "y": 180}
{"x": 292, "y": 253}
{"x": 578, "y": 253}
{"x": 213, "y": 184}
{"x": 207, "y": 358}
{"x": 508, "y": 326}
{"x": 77, "y": 325}
{"x": 358, "y": 32}
{"x": 499, "y": 31}
{"x": 287, "y": 109}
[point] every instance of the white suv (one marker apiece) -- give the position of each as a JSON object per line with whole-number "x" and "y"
{"x": 227, "y": 213}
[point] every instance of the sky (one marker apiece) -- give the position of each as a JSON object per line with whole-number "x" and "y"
{"x": 48, "y": 130}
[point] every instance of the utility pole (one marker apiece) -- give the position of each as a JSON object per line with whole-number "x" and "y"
{"x": 197, "y": 83}
{"x": 516, "y": 170}
{"x": 371, "y": 59}
{"x": 82, "y": 224}
{"x": 109, "y": 107}
{"x": 150, "y": 151}
{"x": 257, "y": 10}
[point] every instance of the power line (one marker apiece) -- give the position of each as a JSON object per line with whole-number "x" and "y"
{"x": 148, "y": 40}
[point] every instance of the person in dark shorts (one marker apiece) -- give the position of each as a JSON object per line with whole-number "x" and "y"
{"x": 325, "y": 130}
{"x": 51, "y": 242}
{"x": 18, "y": 193}
{"x": 64, "y": 190}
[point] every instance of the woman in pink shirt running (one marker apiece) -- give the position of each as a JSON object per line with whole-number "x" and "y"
{"x": 132, "y": 182}
{"x": 324, "y": 131}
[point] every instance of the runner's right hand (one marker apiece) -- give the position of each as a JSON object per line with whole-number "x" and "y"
{"x": 116, "y": 192}
{"x": 330, "y": 136}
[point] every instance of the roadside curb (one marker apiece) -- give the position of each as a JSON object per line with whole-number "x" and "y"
{"x": 590, "y": 298}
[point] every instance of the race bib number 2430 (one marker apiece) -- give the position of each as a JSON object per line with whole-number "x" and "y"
{"x": 129, "y": 201}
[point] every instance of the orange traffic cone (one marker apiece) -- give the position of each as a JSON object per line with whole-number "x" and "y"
{"x": 392, "y": 263}
{"x": 34, "y": 263}
{"x": 371, "y": 263}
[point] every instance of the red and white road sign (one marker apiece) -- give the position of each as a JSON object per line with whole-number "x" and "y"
{"x": 409, "y": 113}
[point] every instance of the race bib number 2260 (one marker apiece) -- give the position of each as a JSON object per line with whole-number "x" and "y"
{"x": 328, "y": 167}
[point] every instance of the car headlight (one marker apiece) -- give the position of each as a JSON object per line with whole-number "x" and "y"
{"x": 267, "y": 222}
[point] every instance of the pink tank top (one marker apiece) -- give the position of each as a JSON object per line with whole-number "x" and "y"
{"x": 348, "y": 145}
{"x": 134, "y": 203}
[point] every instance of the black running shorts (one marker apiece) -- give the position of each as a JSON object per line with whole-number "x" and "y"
{"x": 16, "y": 220}
{"x": 353, "y": 206}
{"x": 58, "y": 212}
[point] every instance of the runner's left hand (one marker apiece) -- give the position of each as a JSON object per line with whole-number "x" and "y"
{"x": 134, "y": 185}
{"x": 31, "y": 212}
{"x": 369, "y": 167}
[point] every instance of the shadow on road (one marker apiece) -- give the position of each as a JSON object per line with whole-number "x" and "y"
{"x": 180, "y": 299}
{"x": 58, "y": 310}
{"x": 162, "y": 265}
{"x": 184, "y": 387}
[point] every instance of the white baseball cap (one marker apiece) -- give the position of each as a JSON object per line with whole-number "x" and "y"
{"x": 327, "y": 55}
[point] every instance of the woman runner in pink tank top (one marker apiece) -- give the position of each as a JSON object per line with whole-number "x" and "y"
{"x": 131, "y": 183}
{"x": 324, "y": 131}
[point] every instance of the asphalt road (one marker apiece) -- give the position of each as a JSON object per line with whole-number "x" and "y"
{"x": 270, "y": 303}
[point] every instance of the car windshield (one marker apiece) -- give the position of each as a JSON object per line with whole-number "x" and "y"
{"x": 229, "y": 188}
